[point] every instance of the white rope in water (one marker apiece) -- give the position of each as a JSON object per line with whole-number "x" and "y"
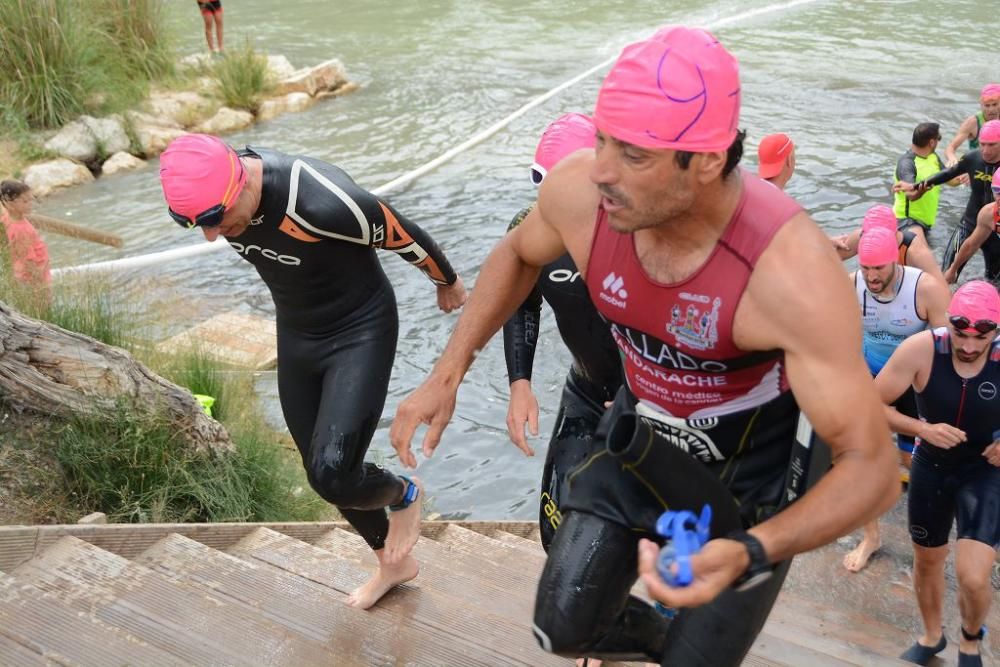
{"x": 139, "y": 261}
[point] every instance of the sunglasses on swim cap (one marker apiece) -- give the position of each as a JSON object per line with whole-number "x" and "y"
{"x": 963, "y": 323}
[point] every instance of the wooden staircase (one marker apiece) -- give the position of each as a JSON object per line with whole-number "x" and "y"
{"x": 254, "y": 594}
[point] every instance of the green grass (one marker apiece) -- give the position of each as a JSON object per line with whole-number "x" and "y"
{"x": 61, "y": 58}
{"x": 135, "y": 468}
{"x": 243, "y": 78}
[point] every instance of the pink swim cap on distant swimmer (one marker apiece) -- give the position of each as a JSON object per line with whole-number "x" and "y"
{"x": 879, "y": 216}
{"x": 566, "y": 134}
{"x": 877, "y": 247}
{"x": 990, "y": 132}
{"x": 199, "y": 171}
{"x": 679, "y": 89}
{"x": 976, "y": 300}
{"x": 990, "y": 91}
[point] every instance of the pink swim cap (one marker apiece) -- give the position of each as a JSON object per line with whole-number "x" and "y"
{"x": 990, "y": 132}
{"x": 566, "y": 134}
{"x": 990, "y": 91}
{"x": 877, "y": 247}
{"x": 881, "y": 216}
{"x": 679, "y": 89}
{"x": 199, "y": 171}
{"x": 975, "y": 300}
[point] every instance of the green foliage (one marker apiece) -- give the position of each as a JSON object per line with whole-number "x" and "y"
{"x": 135, "y": 468}
{"x": 243, "y": 78}
{"x": 61, "y": 58}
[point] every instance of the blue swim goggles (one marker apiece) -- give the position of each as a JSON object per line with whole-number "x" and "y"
{"x": 685, "y": 534}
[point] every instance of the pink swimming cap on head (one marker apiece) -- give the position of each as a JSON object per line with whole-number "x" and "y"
{"x": 877, "y": 247}
{"x": 990, "y": 91}
{"x": 879, "y": 215}
{"x": 990, "y": 132}
{"x": 679, "y": 89}
{"x": 976, "y": 300}
{"x": 566, "y": 134}
{"x": 199, "y": 171}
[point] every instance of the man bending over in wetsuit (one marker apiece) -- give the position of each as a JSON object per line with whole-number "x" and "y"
{"x": 311, "y": 233}
{"x": 722, "y": 296}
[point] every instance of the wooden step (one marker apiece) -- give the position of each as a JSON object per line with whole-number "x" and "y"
{"x": 57, "y": 633}
{"x": 530, "y": 547}
{"x": 495, "y": 552}
{"x": 198, "y": 627}
{"x": 317, "y": 611}
{"x": 443, "y": 620}
{"x": 443, "y": 569}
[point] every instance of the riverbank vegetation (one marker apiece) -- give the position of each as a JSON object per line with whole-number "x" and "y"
{"x": 131, "y": 464}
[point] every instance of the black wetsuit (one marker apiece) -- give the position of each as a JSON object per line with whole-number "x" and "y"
{"x": 593, "y": 378}
{"x": 957, "y": 484}
{"x": 980, "y": 174}
{"x": 313, "y": 240}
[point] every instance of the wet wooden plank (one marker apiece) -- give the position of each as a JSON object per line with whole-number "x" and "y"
{"x": 472, "y": 621}
{"x": 53, "y": 630}
{"x": 13, "y": 653}
{"x": 233, "y": 338}
{"x": 20, "y": 543}
{"x": 308, "y": 608}
{"x": 198, "y": 627}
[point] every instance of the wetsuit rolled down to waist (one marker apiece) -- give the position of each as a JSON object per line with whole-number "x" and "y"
{"x": 593, "y": 380}
{"x": 698, "y": 422}
{"x": 313, "y": 242}
{"x": 957, "y": 485}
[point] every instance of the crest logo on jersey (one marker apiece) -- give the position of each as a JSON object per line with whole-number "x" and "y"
{"x": 695, "y": 326}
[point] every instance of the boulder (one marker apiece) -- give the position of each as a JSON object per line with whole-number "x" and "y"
{"x": 45, "y": 177}
{"x": 121, "y": 161}
{"x": 348, "y": 87}
{"x": 279, "y": 67}
{"x": 154, "y": 139}
{"x": 276, "y": 106}
{"x": 184, "y": 108}
{"x": 195, "y": 61}
{"x": 109, "y": 132}
{"x": 325, "y": 76}
{"x": 138, "y": 118}
{"x": 226, "y": 120}
{"x": 74, "y": 141}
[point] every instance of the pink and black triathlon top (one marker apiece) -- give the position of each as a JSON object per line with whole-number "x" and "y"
{"x": 721, "y": 404}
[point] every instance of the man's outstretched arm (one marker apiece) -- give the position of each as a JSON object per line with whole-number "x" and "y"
{"x": 506, "y": 278}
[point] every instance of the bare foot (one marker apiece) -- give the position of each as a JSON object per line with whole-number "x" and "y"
{"x": 857, "y": 559}
{"x": 387, "y": 577}
{"x": 404, "y": 528}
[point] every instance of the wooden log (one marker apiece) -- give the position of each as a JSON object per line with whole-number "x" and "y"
{"x": 47, "y": 224}
{"x": 49, "y": 370}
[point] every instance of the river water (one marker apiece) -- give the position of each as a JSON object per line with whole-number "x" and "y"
{"x": 847, "y": 79}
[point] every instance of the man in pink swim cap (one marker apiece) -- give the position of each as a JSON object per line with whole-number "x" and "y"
{"x": 913, "y": 249}
{"x": 776, "y": 159}
{"x": 897, "y": 301}
{"x": 989, "y": 109}
{"x": 723, "y": 297}
{"x": 311, "y": 232}
{"x": 955, "y": 478}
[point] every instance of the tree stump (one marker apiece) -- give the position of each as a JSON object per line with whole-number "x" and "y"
{"x": 50, "y": 370}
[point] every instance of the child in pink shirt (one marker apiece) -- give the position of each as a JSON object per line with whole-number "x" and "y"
{"x": 28, "y": 256}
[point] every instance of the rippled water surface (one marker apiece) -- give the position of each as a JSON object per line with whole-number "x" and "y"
{"x": 842, "y": 77}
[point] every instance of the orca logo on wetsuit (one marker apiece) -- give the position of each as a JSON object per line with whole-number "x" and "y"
{"x": 987, "y": 391}
{"x": 245, "y": 250}
{"x": 563, "y": 276}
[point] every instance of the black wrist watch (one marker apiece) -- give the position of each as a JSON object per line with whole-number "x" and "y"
{"x": 760, "y": 568}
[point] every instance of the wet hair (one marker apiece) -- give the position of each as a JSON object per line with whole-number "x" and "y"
{"x": 733, "y": 155}
{"x": 923, "y": 133}
{"x": 11, "y": 190}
